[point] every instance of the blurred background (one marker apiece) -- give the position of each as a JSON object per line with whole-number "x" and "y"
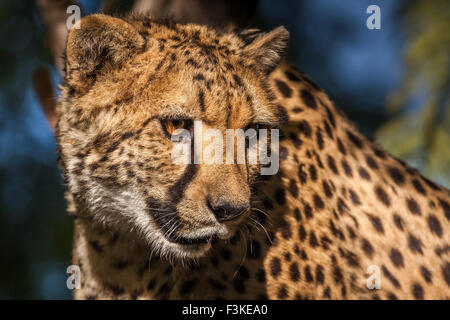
{"x": 393, "y": 83}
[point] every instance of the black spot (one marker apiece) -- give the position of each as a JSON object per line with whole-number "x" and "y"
{"x": 120, "y": 264}
{"x": 327, "y": 293}
{"x": 282, "y": 114}
{"x": 379, "y": 153}
{"x": 446, "y": 207}
{"x": 214, "y": 261}
{"x": 275, "y": 267}
{"x": 419, "y": 187}
{"x": 308, "y": 99}
{"x": 376, "y": 223}
{"x": 337, "y": 274}
{"x": 115, "y": 289}
{"x": 308, "y": 211}
{"x": 319, "y": 138}
{"x": 332, "y": 164}
{"x": 312, "y": 172}
{"x": 242, "y": 273}
{"x": 325, "y": 242}
{"x": 319, "y": 274}
{"x": 308, "y": 275}
{"x": 297, "y": 214}
{"x": 434, "y": 225}
{"x": 327, "y": 189}
{"x": 187, "y": 286}
{"x": 396, "y": 175}
{"x": 354, "y": 197}
{"x": 237, "y": 80}
{"x": 92, "y": 167}
{"x": 391, "y": 278}
{"x": 354, "y": 139}
{"x": 446, "y": 273}
{"x": 363, "y": 173}
{"x": 280, "y": 196}
{"x": 151, "y": 284}
{"x": 415, "y": 244}
{"x": 302, "y": 233}
{"x": 413, "y": 206}
{"x": 398, "y": 221}
{"x": 199, "y": 77}
{"x": 341, "y": 147}
{"x": 286, "y": 231}
{"x": 225, "y": 254}
{"x": 282, "y": 292}
{"x": 347, "y": 168}
{"x": 382, "y": 196}
{"x": 391, "y": 296}
{"x": 294, "y": 272}
{"x": 267, "y": 204}
{"x": 371, "y": 162}
{"x": 291, "y": 76}
{"x": 284, "y": 89}
{"x": 417, "y": 291}
{"x": 217, "y": 285}
{"x": 287, "y": 256}
{"x": 305, "y": 128}
{"x": 351, "y": 232}
{"x": 367, "y": 247}
{"x": 318, "y": 203}
{"x": 351, "y": 258}
{"x": 329, "y": 114}
{"x": 342, "y": 206}
{"x": 313, "y": 240}
{"x": 344, "y": 291}
{"x": 426, "y": 274}
{"x": 396, "y": 258}
{"x": 293, "y": 189}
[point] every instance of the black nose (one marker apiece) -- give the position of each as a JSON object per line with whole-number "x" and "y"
{"x": 225, "y": 211}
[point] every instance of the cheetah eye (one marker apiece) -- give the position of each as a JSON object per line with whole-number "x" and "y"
{"x": 169, "y": 126}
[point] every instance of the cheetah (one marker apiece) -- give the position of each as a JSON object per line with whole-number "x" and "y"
{"x": 147, "y": 228}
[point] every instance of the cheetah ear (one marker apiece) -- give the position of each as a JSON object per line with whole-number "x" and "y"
{"x": 101, "y": 42}
{"x": 267, "y": 49}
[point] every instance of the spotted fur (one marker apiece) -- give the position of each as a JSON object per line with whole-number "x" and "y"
{"x": 338, "y": 204}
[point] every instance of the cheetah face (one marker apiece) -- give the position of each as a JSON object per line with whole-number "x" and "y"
{"x": 130, "y": 87}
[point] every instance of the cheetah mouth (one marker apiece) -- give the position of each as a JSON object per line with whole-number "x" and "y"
{"x": 189, "y": 241}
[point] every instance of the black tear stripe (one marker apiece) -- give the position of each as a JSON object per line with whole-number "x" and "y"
{"x": 165, "y": 211}
{"x": 176, "y": 191}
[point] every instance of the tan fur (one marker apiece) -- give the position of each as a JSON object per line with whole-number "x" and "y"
{"x": 338, "y": 205}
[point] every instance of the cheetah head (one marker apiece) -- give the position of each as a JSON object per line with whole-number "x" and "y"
{"x": 130, "y": 85}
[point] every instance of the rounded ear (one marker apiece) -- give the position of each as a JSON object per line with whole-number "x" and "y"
{"x": 101, "y": 41}
{"x": 266, "y": 49}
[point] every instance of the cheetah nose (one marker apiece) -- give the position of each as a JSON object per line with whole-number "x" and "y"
{"x": 225, "y": 211}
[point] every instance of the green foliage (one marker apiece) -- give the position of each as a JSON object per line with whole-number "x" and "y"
{"x": 421, "y": 135}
